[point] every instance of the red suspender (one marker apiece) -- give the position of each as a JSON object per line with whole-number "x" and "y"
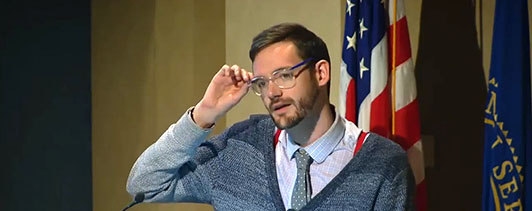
{"x": 276, "y": 139}
{"x": 360, "y": 140}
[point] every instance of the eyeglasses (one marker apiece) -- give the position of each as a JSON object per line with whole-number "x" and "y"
{"x": 284, "y": 78}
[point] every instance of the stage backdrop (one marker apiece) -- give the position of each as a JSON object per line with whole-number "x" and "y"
{"x": 153, "y": 60}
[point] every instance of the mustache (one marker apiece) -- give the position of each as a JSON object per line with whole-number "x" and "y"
{"x": 280, "y": 101}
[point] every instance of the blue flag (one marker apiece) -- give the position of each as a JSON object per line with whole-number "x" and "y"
{"x": 507, "y": 174}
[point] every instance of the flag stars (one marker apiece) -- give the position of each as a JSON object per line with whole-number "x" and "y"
{"x": 349, "y": 6}
{"x": 362, "y": 68}
{"x": 362, "y": 28}
{"x": 352, "y": 41}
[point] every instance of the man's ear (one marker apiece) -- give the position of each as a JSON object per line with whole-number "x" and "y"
{"x": 323, "y": 72}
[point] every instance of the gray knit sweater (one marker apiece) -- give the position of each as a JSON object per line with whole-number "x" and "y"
{"x": 236, "y": 171}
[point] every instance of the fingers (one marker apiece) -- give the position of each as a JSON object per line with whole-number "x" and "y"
{"x": 248, "y": 76}
{"x": 239, "y": 74}
{"x": 244, "y": 75}
{"x": 224, "y": 71}
{"x": 236, "y": 73}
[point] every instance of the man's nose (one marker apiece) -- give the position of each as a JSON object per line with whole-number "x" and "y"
{"x": 273, "y": 90}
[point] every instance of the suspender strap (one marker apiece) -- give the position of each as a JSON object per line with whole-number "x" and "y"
{"x": 276, "y": 138}
{"x": 360, "y": 140}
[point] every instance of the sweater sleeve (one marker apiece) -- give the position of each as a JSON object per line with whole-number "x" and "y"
{"x": 164, "y": 171}
{"x": 397, "y": 194}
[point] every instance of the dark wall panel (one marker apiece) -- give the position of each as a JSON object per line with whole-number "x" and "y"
{"x": 452, "y": 96}
{"x": 45, "y": 108}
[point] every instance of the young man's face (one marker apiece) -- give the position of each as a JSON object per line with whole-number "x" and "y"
{"x": 287, "y": 107}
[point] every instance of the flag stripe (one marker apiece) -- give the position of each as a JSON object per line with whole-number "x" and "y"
{"x": 379, "y": 69}
{"x": 347, "y": 107}
{"x": 400, "y": 10}
{"x": 381, "y": 114}
{"x": 402, "y": 42}
{"x": 407, "y": 125}
{"x": 350, "y": 114}
{"x": 405, "y": 89}
{"x": 421, "y": 196}
{"x": 364, "y": 115}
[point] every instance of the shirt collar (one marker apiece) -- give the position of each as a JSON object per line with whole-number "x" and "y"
{"x": 321, "y": 148}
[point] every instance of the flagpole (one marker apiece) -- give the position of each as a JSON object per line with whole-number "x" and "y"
{"x": 394, "y": 26}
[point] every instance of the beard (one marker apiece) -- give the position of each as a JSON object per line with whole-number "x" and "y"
{"x": 303, "y": 107}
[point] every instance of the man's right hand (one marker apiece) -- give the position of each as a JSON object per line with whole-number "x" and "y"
{"x": 226, "y": 89}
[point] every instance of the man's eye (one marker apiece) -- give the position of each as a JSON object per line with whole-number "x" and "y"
{"x": 260, "y": 83}
{"x": 286, "y": 76}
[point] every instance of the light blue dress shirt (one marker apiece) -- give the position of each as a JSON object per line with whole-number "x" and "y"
{"x": 330, "y": 153}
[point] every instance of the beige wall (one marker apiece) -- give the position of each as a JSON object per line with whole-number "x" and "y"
{"x": 151, "y": 60}
{"x": 413, "y": 15}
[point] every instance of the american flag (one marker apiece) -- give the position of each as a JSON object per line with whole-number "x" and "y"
{"x": 377, "y": 85}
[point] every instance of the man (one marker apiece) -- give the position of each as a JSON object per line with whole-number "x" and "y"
{"x": 303, "y": 157}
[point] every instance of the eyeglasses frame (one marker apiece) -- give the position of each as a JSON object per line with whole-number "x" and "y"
{"x": 304, "y": 62}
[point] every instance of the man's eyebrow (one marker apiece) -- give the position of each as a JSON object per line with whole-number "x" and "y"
{"x": 282, "y": 68}
{"x": 278, "y": 69}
